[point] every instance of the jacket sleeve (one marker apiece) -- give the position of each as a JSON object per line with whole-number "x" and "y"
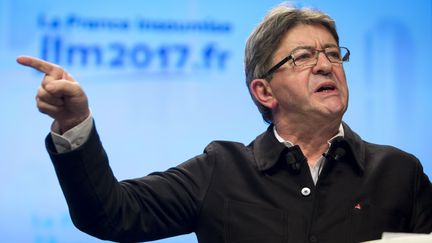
{"x": 422, "y": 212}
{"x": 156, "y": 206}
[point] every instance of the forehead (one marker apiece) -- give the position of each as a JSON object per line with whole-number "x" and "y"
{"x": 305, "y": 35}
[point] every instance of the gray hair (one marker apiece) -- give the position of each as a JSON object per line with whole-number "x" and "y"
{"x": 265, "y": 40}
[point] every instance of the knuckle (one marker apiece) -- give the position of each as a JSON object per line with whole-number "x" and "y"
{"x": 41, "y": 107}
{"x": 45, "y": 109}
{"x": 40, "y": 91}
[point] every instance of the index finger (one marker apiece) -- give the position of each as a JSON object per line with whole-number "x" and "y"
{"x": 41, "y": 65}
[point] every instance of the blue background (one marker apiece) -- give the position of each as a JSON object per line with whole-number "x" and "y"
{"x": 160, "y": 91}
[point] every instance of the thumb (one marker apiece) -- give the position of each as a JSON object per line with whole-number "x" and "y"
{"x": 64, "y": 88}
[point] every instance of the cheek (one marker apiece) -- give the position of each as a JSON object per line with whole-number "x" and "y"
{"x": 291, "y": 87}
{"x": 293, "y": 91}
{"x": 342, "y": 81}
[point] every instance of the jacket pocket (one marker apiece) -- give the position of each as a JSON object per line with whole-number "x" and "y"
{"x": 251, "y": 223}
{"x": 369, "y": 221}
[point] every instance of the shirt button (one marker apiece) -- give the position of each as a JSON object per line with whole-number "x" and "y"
{"x": 305, "y": 191}
{"x": 313, "y": 239}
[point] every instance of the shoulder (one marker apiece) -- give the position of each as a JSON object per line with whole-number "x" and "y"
{"x": 373, "y": 154}
{"x": 388, "y": 152}
{"x": 226, "y": 148}
{"x": 391, "y": 160}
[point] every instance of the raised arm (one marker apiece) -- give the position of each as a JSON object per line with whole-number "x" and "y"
{"x": 152, "y": 207}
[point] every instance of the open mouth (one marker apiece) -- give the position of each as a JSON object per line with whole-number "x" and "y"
{"x": 325, "y": 88}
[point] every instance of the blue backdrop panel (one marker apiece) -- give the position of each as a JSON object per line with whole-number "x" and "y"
{"x": 164, "y": 78}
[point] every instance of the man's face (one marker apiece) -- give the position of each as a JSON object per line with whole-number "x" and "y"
{"x": 318, "y": 91}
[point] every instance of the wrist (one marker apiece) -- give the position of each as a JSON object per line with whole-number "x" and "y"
{"x": 62, "y": 126}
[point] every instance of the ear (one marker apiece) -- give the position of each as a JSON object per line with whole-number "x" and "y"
{"x": 263, "y": 93}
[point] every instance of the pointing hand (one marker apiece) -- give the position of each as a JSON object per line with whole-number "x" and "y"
{"x": 59, "y": 96}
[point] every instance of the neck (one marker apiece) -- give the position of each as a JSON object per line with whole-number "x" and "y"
{"x": 312, "y": 137}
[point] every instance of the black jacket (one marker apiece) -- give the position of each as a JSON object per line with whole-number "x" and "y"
{"x": 262, "y": 192}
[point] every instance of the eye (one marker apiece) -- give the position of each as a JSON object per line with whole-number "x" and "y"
{"x": 302, "y": 55}
{"x": 333, "y": 54}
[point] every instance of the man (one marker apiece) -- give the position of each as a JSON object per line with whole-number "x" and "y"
{"x": 308, "y": 178}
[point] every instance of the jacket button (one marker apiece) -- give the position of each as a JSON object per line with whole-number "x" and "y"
{"x": 305, "y": 191}
{"x": 313, "y": 239}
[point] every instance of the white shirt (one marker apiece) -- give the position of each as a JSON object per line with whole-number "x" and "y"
{"x": 74, "y": 137}
{"x": 316, "y": 169}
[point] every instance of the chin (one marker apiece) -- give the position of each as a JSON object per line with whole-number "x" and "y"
{"x": 335, "y": 112}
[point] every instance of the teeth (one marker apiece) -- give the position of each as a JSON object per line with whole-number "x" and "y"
{"x": 325, "y": 89}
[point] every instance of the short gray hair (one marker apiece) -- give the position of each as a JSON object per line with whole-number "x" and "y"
{"x": 265, "y": 40}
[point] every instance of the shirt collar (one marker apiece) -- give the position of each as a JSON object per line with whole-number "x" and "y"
{"x": 267, "y": 148}
{"x": 290, "y": 144}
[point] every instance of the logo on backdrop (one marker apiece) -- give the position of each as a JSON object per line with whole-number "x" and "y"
{"x": 135, "y": 44}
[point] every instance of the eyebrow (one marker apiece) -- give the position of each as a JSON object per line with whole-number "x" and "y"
{"x": 311, "y": 47}
{"x": 330, "y": 45}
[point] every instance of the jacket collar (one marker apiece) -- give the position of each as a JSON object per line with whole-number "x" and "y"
{"x": 267, "y": 149}
{"x": 356, "y": 146}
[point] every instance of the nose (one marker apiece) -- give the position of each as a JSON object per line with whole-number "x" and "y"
{"x": 323, "y": 65}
